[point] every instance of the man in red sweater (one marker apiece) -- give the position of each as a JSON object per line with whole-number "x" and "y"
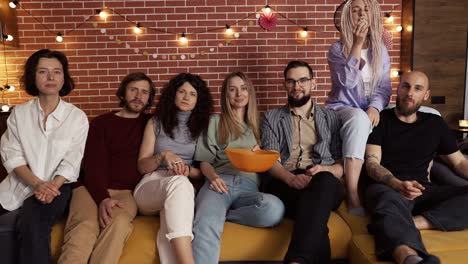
{"x": 102, "y": 207}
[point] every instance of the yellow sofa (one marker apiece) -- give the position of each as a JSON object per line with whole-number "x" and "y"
{"x": 348, "y": 236}
{"x": 450, "y": 247}
{"x": 239, "y": 243}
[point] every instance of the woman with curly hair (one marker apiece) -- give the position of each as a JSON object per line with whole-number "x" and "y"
{"x": 166, "y": 159}
{"x": 361, "y": 88}
{"x": 230, "y": 194}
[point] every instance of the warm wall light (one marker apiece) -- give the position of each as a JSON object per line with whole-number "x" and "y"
{"x": 59, "y": 37}
{"x": 10, "y": 88}
{"x": 267, "y": 10}
{"x": 399, "y": 28}
{"x": 5, "y": 108}
{"x": 13, "y": 4}
{"x": 137, "y": 28}
{"x": 183, "y": 39}
{"x": 389, "y": 17}
{"x": 228, "y": 30}
{"x": 304, "y": 32}
{"x": 102, "y": 13}
{"x": 8, "y": 37}
{"x": 409, "y": 28}
{"x": 395, "y": 73}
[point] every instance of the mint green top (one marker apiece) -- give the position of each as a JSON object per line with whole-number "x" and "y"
{"x": 208, "y": 149}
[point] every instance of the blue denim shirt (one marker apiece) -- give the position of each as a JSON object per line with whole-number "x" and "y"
{"x": 348, "y": 86}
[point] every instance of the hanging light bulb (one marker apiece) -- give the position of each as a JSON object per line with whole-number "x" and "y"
{"x": 102, "y": 13}
{"x": 10, "y": 88}
{"x": 395, "y": 73}
{"x": 304, "y": 32}
{"x": 137, "y": 28}
{"x": 13, "y": 4}
{"x": 8, "y": 37}
{"x": 183, "y": 39}
{"x": 267, "y": 10}
{"x": 5, "y": 108}
{"x": 59, "y": 37}
{"x": 228, "y": 30}
{"x": 389, "y": 17}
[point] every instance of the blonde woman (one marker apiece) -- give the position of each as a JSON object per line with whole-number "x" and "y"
{"x": 361, "y": 88}
{"x": 230, "y": 194}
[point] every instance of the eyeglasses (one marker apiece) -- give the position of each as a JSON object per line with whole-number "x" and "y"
{"x": 291, "y": 82}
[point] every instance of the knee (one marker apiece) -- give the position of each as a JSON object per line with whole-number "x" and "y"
{"x": 384, "y": 199}
{"x": 272, "y": 210}
{"x": 357, "y": 121}
{"x": 181, "y": 183}
{"x": 86, "y": 223}
{"x": 122, "y": 221}
{"x": 325, "y": 180}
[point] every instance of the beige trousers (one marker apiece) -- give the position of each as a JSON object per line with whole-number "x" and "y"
{"x": 84, "y": 241}
{"x": 172, "y": 197}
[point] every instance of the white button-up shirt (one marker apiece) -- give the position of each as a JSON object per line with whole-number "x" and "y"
{"x": 50, "y": 152}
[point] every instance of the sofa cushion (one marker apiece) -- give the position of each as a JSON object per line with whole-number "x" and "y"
{"x": 239, "y": 243}
{"x": 358, "y": 224}
{"x": 450, "y": 247}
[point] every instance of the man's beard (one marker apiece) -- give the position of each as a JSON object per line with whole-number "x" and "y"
{"x": 132, "y": 109}
{"x": 406, "y": 111}
{"x": 298, "y": 102}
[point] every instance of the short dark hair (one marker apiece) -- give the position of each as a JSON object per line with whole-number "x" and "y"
{"x": 133, "y": 77}
{"x": 297, "y": 64}
{"x": 28, "y": 80}
{"x": 166, "y": 109}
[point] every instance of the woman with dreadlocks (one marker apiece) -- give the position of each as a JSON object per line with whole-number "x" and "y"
{"x": 360, "y": 73}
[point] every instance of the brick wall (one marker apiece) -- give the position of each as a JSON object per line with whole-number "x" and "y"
{"x": 102, "y": 51}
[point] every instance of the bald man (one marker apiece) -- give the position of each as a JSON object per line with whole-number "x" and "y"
{"x": 400, "y": 198}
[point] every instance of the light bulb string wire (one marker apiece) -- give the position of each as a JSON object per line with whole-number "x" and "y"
{"x": 113, "y": 11}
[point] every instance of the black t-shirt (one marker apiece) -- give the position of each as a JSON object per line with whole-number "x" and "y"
{"x": 408, "y": 148}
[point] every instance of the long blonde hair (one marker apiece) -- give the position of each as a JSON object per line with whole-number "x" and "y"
{"x": 230, "y": 127}
{"x": 375, "y": 37}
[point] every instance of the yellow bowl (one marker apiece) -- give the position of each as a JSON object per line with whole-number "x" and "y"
{"x": 252, "y": 161}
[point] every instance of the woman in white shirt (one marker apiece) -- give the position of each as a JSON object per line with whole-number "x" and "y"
{"x": 41, "y": 150}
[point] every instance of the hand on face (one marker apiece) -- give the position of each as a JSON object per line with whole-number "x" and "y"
{"x": 360, "y": 31}
{"x": 360, "y": 18}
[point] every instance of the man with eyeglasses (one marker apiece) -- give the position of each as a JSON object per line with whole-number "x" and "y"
{"x": 307, "y": 175}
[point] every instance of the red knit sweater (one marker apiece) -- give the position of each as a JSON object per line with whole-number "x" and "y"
{"x": 111, "y": 154}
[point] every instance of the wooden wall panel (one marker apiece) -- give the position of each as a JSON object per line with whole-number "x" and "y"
{"x": 440, "y": 39}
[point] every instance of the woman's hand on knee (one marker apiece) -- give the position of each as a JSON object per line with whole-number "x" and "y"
{"x": 374, "y": 116}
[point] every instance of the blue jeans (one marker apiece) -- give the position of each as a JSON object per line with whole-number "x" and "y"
{"x": 243, "y": 204}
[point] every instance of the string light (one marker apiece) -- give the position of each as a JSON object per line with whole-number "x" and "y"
{"x": 399, "y": 28}
{"x": 389, "y": 17}
{"x": 304, "y": 32}
{"x": 8, "y": 37}
{"x": 267, "y": 10}
{"x": 229, "y": 30}
{"x": 137, "y": 28}
{"x": 183, "y": 39}
{"x": 10, "y": 88}
{"x": 59, "y": 37}
{"x": 13, "y": 4}
{"x": 102, "y": 13}
{"x": 396, "y": 73}
{"x": 5, "y": 108}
